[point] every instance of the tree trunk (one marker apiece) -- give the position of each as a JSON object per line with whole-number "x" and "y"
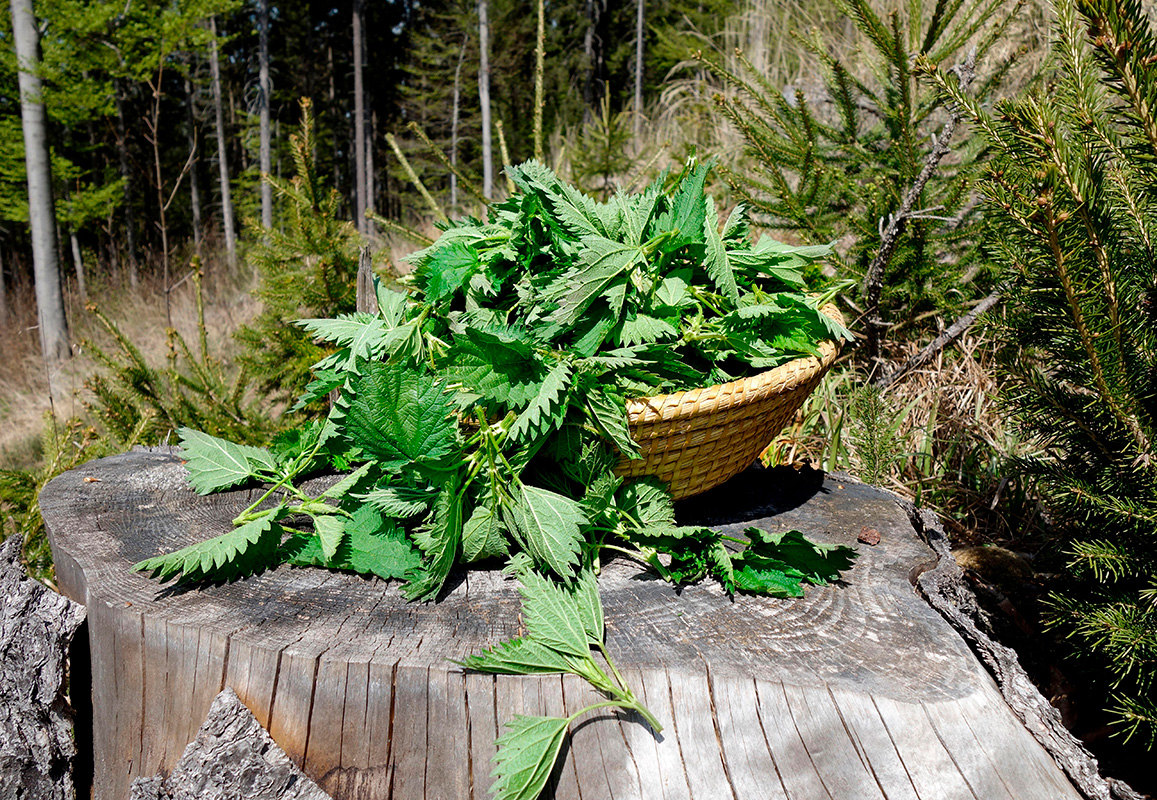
{"x": 595, "y": 54}
{"x": 454, "y": 118}
{"x": 484, "y": 97}
{"x": 126, "y": 178}
{"x": 222, "y": 152}
{"x": 3, "y": 294}
{"x": 371, "y": 137}
{"x": 263, "y": 93}
{"x": 194, "y": 180}
{"x": 78, "y": 264}
{"x": 639, "y": 71}
{"x": 333, "y": 109}
{"x": 359, "y": 119}
{"x": 41, "y": 214}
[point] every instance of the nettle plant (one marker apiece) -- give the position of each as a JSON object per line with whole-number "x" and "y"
{"x": 481, "y": 416}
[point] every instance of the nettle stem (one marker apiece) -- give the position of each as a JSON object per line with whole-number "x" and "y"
{"x": 633, "y": 705}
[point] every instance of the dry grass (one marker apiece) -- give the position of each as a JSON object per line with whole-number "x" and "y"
{"x": 951, "y": 444}
{"x": 25, "y": 399}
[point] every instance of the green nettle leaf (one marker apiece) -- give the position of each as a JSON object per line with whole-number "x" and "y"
{"x": 644, "y": 329}
{"x": 362, "y": 335}
{"x": 446, "y": 269}
{"x": 372, "y": 546}
{"x": 716, "y": 263}
{"x": 798, "y": 555}
{"x": 552, "y": 615}
{"x": 608, "y": 414}
{"x": 600, "y": 261}
{"x": 504, "y": 373}
{"x": 585, "y": 592}
{"x": 440, "y": 538}
{"x": 220, "y": 556}
{"x": 526, "y": 756}
{"x": 649, "y": 502}
{"x": 330, "y": 533}
{"x": 401, "y": 417}
{"x": 546, "y": 410}
{"x": 766, "y": 580}
{"x": 547, "y": 525}
{"x": 688, "y": 211}
{"x": 215, "y": 464}
{"x": 399, "y": 502}
{"x": 483, "y": 535}
{"x": 519, "y": 657}
{"x": 575, "y": 211}
{"x": 343, "y": 487}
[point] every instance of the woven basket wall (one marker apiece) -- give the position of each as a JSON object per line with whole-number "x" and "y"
{"x": 696, "y": 440}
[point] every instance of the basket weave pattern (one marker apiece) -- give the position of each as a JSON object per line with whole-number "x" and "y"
{"x": 697, "y": 439}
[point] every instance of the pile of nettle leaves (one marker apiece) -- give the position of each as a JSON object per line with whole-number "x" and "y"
{"x": 481, "y": 416}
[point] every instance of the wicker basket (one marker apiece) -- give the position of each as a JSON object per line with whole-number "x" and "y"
{"x": 697, "y": 439}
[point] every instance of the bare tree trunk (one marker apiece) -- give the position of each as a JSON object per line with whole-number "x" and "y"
{"x": 371, "y": 137}
{"x": 41, "y": 214}
{"x": 639, "y": 71}
{"x": 222, "y": 154}
{"x": 454, "y": 118}
{"x": 3, "y": 294}
{"x": 194, "y": 179}
{"x": 126, "y": 178}
{"x": 359, "y": 118}
{"x": 264, "y": 90}
{"x": 484, "y": 97}
{"x": 539, "y": 80}
{"x": 333, "y": 111}
{"x": 595, "y": 53}
{"x": 78, "y": 264}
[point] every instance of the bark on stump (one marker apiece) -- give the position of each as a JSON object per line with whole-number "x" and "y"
{"x": 859, "y": 690}
{"x": 232, "y": 757}
{"x": 36, "y": 628}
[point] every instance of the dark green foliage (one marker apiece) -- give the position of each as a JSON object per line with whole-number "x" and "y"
{"x": 1074, "y": 179}
{"x": 833, "y": 168}
{"x": 307, "y": 268}
{"x": 487, "y": 410}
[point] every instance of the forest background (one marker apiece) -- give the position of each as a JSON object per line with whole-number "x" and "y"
{"x": 180, "y": 269}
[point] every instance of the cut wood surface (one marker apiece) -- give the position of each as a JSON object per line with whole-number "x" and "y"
{"x": 36, "y": 734}
{"x": 859, "y": 690}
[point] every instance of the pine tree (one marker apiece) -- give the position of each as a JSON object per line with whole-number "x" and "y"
{"x": 1074, "y": 181}
{"x": 307, "y": 268}
{"x": 833, "y": 162}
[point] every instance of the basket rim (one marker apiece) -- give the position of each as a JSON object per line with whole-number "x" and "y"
{"x": 688, "y": 402}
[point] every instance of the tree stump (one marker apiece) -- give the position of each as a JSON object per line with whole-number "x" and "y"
{"x": 859, "y": 690}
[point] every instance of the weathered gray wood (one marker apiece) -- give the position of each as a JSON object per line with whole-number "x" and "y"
{"x": 36, "y": 735}
{"x": 946, "y": 590}
{"x": 859, "y": 689}
{"x": 232, "y": 757}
